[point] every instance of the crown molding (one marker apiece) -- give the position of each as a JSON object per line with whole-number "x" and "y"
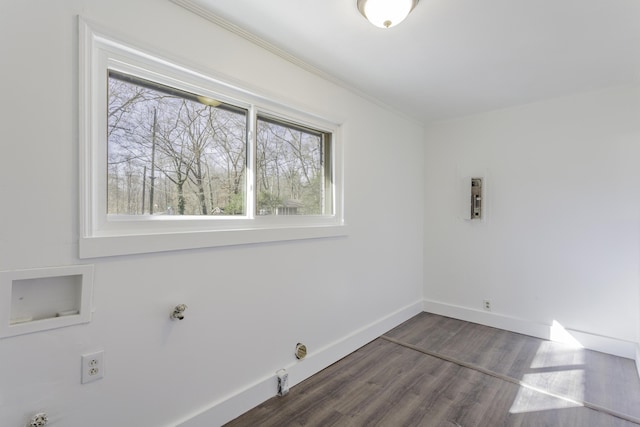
{"x": 194, "y": 7}
{"x": 207, "y": 14}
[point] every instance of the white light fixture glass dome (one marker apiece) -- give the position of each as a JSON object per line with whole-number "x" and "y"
{"x": 386, "y": 13}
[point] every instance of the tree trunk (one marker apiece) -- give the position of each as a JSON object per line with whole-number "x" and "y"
{"x": 181, "y": 201}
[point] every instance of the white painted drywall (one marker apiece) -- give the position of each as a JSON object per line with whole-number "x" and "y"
{"x": 560, "y": 236}
{"x": 248, "y": 305}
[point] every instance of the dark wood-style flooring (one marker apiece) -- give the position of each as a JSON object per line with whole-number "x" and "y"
{"x": 442, "y": 372}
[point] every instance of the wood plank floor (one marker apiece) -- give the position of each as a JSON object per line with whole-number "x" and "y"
{"x": 442, "y": 372}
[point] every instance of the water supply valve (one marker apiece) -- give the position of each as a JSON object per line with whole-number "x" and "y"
{"x": 38, "y": 420}
{"x": 178, "y": 312}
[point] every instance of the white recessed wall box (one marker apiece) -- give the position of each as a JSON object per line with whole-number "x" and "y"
{"x": 44, "y": 298}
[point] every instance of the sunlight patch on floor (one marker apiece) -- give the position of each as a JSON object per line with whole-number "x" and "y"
{"x": 530, "y": 400}
{"x": 555, "y": 379}
{"x": 563, "y": 350}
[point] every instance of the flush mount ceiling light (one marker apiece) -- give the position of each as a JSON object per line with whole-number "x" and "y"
{"x": 386, "y": 13}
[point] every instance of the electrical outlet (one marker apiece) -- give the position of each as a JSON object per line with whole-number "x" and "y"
{"x": 92, "y": 367}
{"x": 487, "y": 305}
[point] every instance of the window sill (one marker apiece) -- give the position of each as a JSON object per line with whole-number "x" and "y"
{"x": 104, "y": 246}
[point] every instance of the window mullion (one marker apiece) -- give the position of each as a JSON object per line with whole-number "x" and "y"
{"x": 250, "y": 184}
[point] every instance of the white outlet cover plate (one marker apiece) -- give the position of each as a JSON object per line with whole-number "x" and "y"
{"x": 92, "y": 367}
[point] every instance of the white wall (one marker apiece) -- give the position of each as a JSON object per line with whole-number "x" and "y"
{"x": 560, "y": 238}
{"x": 248, "y": 305}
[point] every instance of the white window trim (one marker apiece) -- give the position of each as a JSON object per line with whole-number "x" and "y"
{"x": 101, "y": 236}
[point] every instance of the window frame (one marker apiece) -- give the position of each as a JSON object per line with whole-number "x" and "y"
{"x": 101, "y": 234}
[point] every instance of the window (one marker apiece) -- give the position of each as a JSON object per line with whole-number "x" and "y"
{"x": 171, "y": 152}
{"x": 293, "y": 174}
{"x": 172, "y": 158}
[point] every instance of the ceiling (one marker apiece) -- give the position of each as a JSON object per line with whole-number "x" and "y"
{"x": 450, "y": 58}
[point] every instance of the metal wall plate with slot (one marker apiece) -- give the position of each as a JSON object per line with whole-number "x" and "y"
{"x": 473, "y": 197}
{"x": 476, "y": 198}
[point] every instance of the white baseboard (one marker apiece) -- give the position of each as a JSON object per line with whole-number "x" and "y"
{"x": 588, "y": 340}
{"x": 638, "y": 359}
{"x": 237, "y": 403}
